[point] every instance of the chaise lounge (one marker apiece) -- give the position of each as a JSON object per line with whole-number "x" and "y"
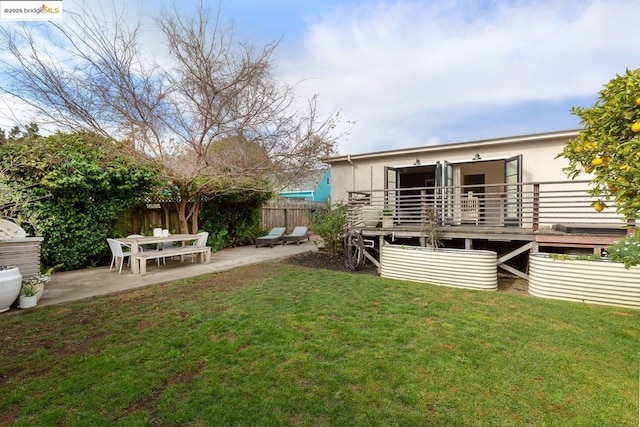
{"x": 297, "y": 235}
{"x": 274, "y": 236}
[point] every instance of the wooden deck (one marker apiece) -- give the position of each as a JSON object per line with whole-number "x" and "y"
{"x": 554, "y": 216}
{"x": 596, "y": 237}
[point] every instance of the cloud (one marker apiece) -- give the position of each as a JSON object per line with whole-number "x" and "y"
{"x": 414, "y": 72}
{"x": 391, "y": 64}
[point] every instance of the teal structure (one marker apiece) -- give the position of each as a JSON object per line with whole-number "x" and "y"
{"x": 316, "y": 192}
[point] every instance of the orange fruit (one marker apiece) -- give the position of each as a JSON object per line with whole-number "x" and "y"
{"x": 588, "y": 169}
{"x": 598, "y": 206}
{"x": 597, "y": 161}
{"x": 638, "y": 102}
{"x": 636, "y": 127}
{"x": 625, "y": 168}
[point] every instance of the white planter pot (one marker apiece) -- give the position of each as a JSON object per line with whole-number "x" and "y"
{"x": 10, "y": 284}
{"x": 598, "y": 282}
{"x": 28, "y": 302}
{"x": 462, "y": 268}
{"x": 371, "y": 216}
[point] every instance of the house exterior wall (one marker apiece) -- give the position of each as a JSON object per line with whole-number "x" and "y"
{"x": 322, "y": 191}
{"x": 365, "y": 172}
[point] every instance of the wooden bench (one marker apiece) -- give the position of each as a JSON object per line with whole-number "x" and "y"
{"x": 142, "y": 257}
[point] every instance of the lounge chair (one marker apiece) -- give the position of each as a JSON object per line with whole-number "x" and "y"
{"x": 274, "y": 236}
{"x": 297, "y": 235}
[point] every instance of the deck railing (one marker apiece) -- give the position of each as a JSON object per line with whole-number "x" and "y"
{"x": 531, "y": 205}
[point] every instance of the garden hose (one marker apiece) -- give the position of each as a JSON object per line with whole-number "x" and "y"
{"x": 353, "y": 251}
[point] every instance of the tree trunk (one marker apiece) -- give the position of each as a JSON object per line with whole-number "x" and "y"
{"x": 182, "y": 215}
{"x": 195, "y": 209}
{"x": 192, "y": 214}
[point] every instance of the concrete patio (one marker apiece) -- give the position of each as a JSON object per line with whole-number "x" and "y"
{"x": 87, "y": 283}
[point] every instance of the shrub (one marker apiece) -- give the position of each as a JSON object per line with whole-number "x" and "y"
{"x": 626, "y": 251}
{"x": 232, "y": 219}
{"x": 81, "y": 183}
{"x": 330, "y": 224}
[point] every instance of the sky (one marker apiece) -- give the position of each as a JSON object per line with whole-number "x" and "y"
{"x": 406, "y": 73}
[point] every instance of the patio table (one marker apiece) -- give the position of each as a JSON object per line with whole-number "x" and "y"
{"x": 136, "y": 242}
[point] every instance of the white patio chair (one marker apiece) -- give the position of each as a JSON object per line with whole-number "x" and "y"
{"x": 118, "y": 254}
{"x": 469, "y": 209}
{"x": 203, "y": 236}
{"x": 161, "y": 247}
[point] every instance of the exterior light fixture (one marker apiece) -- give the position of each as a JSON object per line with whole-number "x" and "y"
{"x": 417, "y": 162}
{"x": 477, "y": 156}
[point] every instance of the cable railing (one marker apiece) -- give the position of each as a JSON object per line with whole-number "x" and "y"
{"x": 530, "y": 205}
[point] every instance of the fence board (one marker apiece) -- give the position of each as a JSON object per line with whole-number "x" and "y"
{"x": 278, "y": 213}
{"x": 289, "y": 214}
{"x": 142, "y": 220}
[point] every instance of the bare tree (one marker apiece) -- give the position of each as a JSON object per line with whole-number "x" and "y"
{"x": 211, "y": 113}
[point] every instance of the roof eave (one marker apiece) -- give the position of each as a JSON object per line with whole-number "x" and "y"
{"x": 440, "y": 147}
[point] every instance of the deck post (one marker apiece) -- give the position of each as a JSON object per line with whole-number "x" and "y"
{"x": 536, "y": 207}
{"x": 423, "y": 217}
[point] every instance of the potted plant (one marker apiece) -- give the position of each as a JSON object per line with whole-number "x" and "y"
{"x": 38, "y": 282}
{"x": 387, "y": 218}
{"x": 28, "y": 296}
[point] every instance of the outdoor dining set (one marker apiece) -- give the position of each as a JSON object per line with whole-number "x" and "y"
{"x": 137, "y": 249}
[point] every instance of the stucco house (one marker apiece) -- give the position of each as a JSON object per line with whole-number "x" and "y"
{"x": 509, "y": 192}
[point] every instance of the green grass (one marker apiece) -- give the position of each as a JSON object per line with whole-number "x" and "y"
{"x": 281, "y": 345}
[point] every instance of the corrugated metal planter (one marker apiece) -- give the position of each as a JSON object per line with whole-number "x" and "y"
{"x": 461, "y": 268}
{"x": 598, "y": 282}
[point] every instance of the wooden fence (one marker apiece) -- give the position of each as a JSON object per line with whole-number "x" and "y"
{"x": 144, "y": 218}
{"x": 289, "y": 214}
{"x": 281, "y": 213}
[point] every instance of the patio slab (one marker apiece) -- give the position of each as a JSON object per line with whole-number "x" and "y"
{"x": 87, "y": 283}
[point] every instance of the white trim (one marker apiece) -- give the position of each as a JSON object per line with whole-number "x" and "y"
{"x": 418, "y": 151}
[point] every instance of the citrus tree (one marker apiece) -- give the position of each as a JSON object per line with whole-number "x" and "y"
{"x": 608, "y": 146}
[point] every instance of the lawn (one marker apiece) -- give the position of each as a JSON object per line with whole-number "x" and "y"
{"x": 277, "y": 344}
